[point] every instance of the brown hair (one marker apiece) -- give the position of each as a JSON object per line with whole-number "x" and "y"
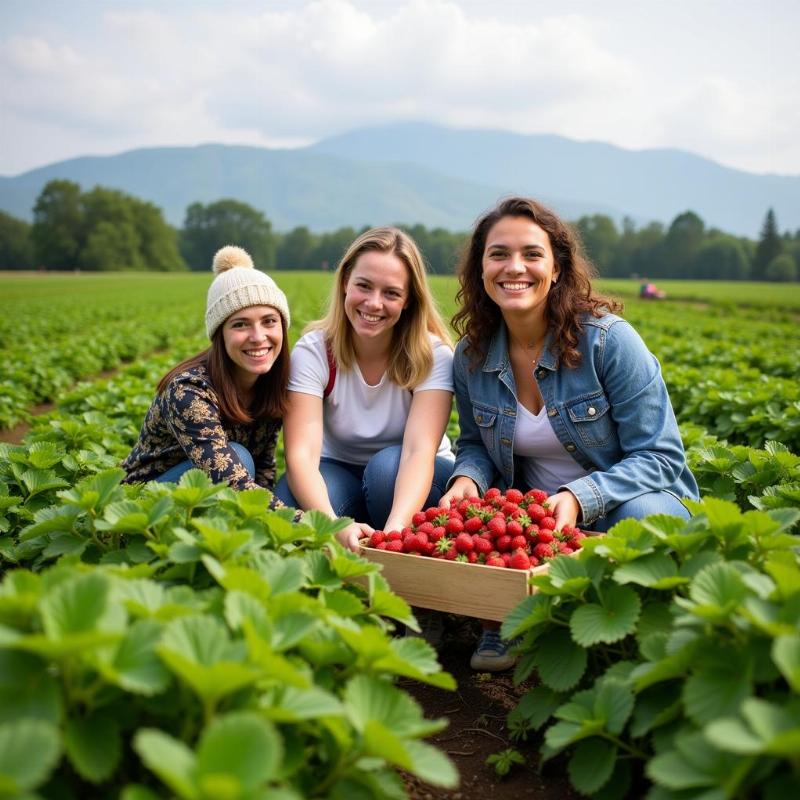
{"x": 270, "y": 396}
{"x": 479, "y": 316}
{"x": 411, "y": 356}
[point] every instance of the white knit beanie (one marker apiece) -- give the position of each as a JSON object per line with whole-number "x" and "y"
{"x": 238, "y": 285}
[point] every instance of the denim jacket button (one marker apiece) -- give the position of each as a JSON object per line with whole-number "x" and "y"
{"x": 479, "y": 418}
{"x": 570, "y": 447}
{"x": 591, "y": 411}
{"x": 551, "y": 412}
{"x": 505, "y": 441}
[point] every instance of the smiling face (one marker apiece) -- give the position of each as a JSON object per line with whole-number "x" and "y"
{"x": 253, "y": 339}
{"x": 518, "y": 266}
{"x": 375, "y": 294}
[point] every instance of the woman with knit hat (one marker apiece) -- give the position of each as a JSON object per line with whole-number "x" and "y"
{"x": 221, "y": 410}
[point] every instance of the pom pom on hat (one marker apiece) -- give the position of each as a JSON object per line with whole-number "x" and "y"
{"x": 229, "y": 257}
{"x": 237, "y": 285}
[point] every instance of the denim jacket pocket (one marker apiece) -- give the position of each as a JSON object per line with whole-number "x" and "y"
{"x": 486, "y": 419}
{"x": 592, "y": 420}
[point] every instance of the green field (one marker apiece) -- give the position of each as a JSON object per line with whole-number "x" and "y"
{"x": 185, "y": 637}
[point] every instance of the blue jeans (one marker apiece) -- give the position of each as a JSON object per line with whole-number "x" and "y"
{"x": 640, "y": 507}
{"x": 173, "y": 474}
{"x": 366, "y": 492}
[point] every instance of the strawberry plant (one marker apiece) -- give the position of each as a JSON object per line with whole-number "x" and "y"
{"x": 184, "y": 636}
{"x": 669, "y": 652}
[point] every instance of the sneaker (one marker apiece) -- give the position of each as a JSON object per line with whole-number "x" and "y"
{"x": 431, "y": 625}
{"x": 491, "y": 654}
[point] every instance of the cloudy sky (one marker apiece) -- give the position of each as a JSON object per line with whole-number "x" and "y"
{"x": 720, "y": 78}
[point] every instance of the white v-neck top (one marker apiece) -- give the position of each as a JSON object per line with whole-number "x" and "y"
{"x": 545, "y": 463}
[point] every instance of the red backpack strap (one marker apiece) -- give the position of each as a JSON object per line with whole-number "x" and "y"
{"x": 331, "y": 370}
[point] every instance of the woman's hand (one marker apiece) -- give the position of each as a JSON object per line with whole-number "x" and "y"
{"x": 462, "y": 488}
{"x": 350, "y": 536}
{"x": 565, "y": 508}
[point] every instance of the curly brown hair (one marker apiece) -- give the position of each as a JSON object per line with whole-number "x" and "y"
{"x": 572, "y": 296}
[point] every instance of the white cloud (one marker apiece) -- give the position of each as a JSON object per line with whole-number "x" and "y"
{"x": 146, "y": 74}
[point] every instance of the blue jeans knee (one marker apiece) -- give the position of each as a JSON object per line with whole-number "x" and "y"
{"x": 380, "y": 476}
{"x": 644, "y": 505}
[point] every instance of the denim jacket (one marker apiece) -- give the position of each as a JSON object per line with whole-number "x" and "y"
{"x": 612, "y": 413}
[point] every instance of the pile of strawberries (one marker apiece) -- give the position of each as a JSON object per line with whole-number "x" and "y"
{"x": 500, "y": 530}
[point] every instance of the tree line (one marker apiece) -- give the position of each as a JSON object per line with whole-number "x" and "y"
{"x": 105, "y": 229}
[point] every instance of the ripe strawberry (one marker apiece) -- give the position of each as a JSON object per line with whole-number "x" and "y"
{"x": 509, "y": 509}
{"x": 378, "y": 537}
{"x": 496, "y": 526}
{"x": 495, "y": 561}
{"x": 381, "y": 546}
{"x": 563, "y": 547}
{"x": 464, "y": 543}
{"x": 503, "y": 543}
{"x": 454, "y": 525}
{"x": 418, "y": 518}
{"x": 482, "y": 545}
{"x": 491, "y": 494}
{"x": 438, "y": 531}
{"x": 506, "y": 558}
{"x": 520, "y": 560}
{"x": 395, "y": 546}
{"x": 536, "y": 495}
{"x": 394, "y": 536}
{"x": 426, "y": 526}
{"x": 472, "y": 557}
{"x": 428, "y": 548}
{"x": 545, "y": 536}
{"x": 536, "y": 512}
{"x": 548, "y": 522}
{"x": 407, "y": 532}
{"x": 410, "y": 543}
{"x": 513, "y": 528}
{"x": 473, "y": 524}
{"x": 519, "y": 542}
{"x": 514, "y": 496}
{"x": 543, "y": 550}
{"x": 531, "y": 532}
{"x": 451, "y": 553}
{"x": 433, "y": 512}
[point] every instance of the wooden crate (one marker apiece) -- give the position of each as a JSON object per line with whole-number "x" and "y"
{"x": 473, "y": 590}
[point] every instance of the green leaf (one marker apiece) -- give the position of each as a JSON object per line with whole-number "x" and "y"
{"x": 613, "y": 620}
{"x": 369, "y": 699}
{"x": 29, "y": 750}
{"x": 654, "y": 570}
{"x": 284, "y": 575}
{"x": 80, "y": 604}
{"x": 168, "y": 758}
{"x": 536, "y": 707}
{"x": 289, "y": 704}
{"x": 387, "y": 604}
{"x": 135, "y": 665}
{"x": 716, "y": 592}
{"x": 786, "y": 655}
{"x": 241, "y": 744}
{"x": 532, "y": 611}
{"x": 94, "y": 746}
{"x": 560, "y": 662}
{"x": 591, "y": 765}
{"x": 27, "y": 688}
{"x": 613, "y": 704}
{"x": 432, "y": 765}
{"x": 717, "y": 687}
{"x": 342, "y": 602}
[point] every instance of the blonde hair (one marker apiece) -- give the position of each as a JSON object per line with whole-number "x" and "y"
{"x": 411, "y": 355}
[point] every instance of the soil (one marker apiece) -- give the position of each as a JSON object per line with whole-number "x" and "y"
{"x": 477, "y": 713}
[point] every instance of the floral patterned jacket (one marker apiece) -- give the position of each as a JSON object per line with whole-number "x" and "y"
{"x": 184, "y": 421}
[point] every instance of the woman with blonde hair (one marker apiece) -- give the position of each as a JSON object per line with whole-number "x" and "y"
{"x": 370, "y": 393}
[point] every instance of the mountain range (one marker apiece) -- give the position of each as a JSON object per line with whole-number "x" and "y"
{"x": 437, "y": 176}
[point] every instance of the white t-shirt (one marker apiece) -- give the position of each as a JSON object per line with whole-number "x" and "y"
{"x": 359, "y": 419}
{"x": 545, "y": 464}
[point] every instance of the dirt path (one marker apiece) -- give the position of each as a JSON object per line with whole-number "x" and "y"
{"x": 477, "y": 713}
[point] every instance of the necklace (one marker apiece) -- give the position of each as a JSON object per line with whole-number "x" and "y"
{"x": 533, "y": 358}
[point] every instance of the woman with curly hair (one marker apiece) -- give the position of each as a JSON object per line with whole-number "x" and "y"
{"x": 554, "y": 390}
{"x": 370, "y": 393}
